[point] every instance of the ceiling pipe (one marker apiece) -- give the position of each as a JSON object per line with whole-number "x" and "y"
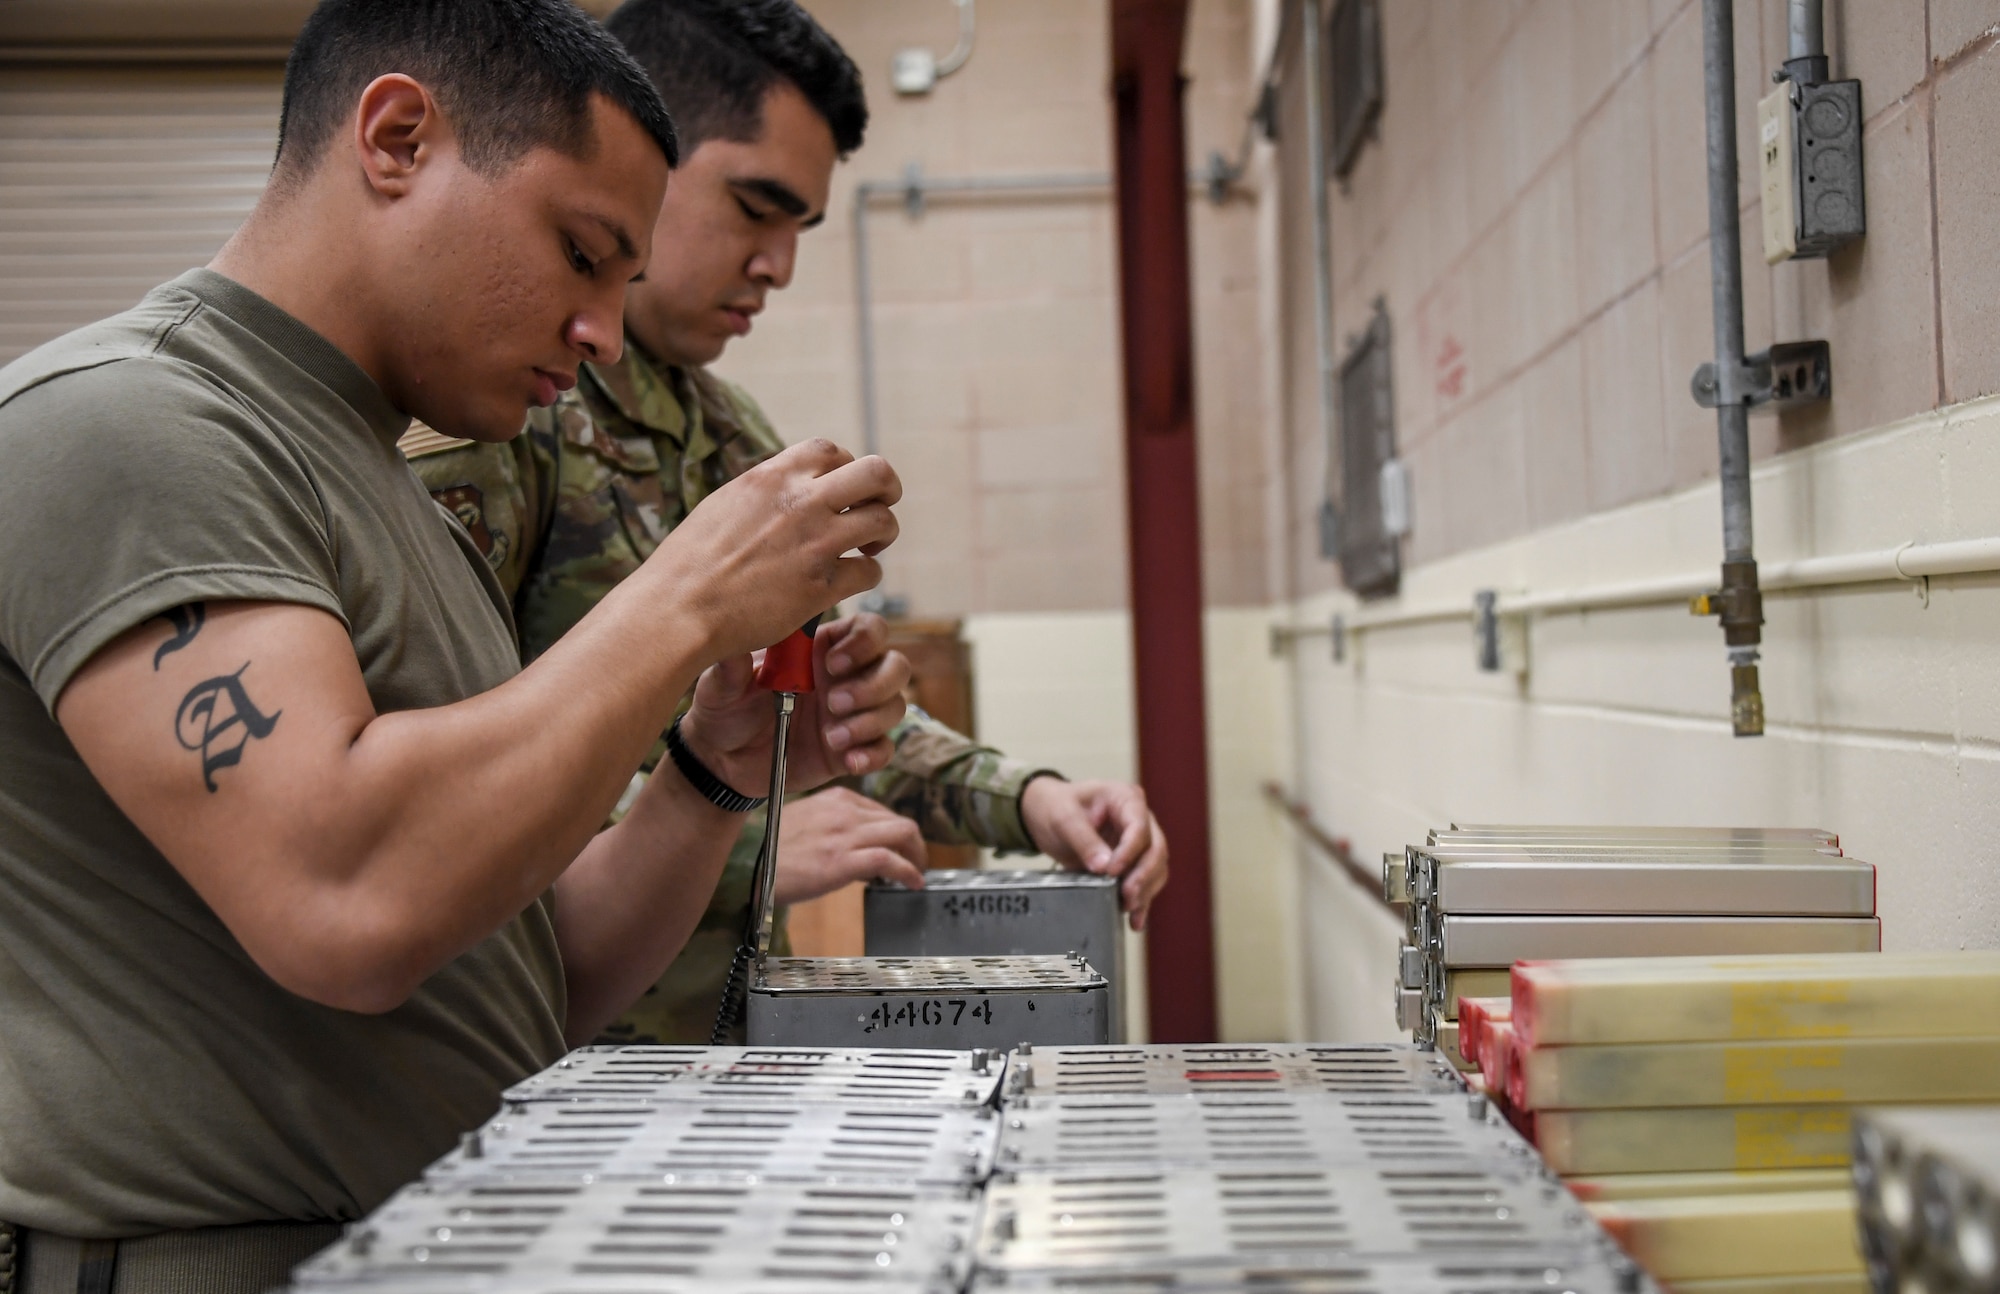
{"x": 1156, "y": 327}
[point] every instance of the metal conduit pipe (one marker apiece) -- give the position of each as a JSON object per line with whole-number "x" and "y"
{"x": 1329, "y": 368}
{"x": 1805, "y": 56}
{"x": 1738, "y": 603}
{"x": 1909, "y": 563}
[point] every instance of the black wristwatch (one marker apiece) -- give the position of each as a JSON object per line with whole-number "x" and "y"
{"x": 716, "y": 791}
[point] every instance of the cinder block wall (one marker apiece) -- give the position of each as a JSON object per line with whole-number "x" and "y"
{"x": 1533, "y": 211}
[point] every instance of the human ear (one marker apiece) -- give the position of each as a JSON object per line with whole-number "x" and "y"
{"x": 397, "y": 127}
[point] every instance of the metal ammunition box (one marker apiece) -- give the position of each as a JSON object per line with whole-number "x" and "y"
{"x": 928, "y": 1002}
{"x": 1252, "y": 1129}
{"x": 764, "y": 1074}
{"x": 526, "y": 1237}
{"x": 1279, "y": 1219}
{"x": 964, "y": 913}
{"x": 1358, "y": 1070}
{"x": 1494, "y": 941}
{"x": 799, "y": 1141}
{"x": 1790, "y": 882}
{"x": 1669, "y": 835}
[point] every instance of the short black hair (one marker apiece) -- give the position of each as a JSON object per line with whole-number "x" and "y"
{"x": 715, "y": 60}
{"x": 510, "y": 75}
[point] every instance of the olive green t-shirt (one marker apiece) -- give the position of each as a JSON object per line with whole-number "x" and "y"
{"x": 206, "y": 446}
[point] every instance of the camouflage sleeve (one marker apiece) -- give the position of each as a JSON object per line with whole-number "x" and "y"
{"x": 735, "y": 420}
{"x": 492, "y": 491}
{"x": 957, "y": 791}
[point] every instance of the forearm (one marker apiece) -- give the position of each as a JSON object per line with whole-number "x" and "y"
{"x": 448, "y": 822}
{"x": 629, "y": 903}
{"x": 957, "y": 791}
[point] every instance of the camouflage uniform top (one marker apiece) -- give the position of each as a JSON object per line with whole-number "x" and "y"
{"x": 574, "y": 505}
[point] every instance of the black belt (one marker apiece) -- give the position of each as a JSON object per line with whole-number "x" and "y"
{"x": 213, "y": 1260}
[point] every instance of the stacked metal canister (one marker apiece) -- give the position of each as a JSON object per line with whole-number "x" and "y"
{"x": 1703, "y": 1107}
{"x": 1339, "y": 1170}
{"x": 1480, "y": 898}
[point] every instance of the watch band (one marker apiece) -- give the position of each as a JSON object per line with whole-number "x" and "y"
{"x": 713, "y": 789}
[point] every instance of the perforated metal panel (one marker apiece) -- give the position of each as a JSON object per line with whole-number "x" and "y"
{"x": 1290, "y": 1218}
{"x": 1233, "y": 1130}
{"x": 765, "y": 1074}
{"x": 804, "y": 1140}
{"x": 522, "y": 1236}
{"x": 1360, "y": 1070}
{"x": 921, "y": 974}
{"x": 1590, "y": 1275}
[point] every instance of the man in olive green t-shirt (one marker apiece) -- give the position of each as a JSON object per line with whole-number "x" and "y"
{"x": 288, "y": 898}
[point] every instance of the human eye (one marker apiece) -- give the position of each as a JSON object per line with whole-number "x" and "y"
{"x": 755, "y": 216}
{"x": 578, "y": 260}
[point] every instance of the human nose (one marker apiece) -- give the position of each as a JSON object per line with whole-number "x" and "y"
{"x": 773, "y": 263}
{"x": 597, "y": 331}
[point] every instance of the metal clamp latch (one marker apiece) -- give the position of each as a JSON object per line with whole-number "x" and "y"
{"x": 1788, "y": 376}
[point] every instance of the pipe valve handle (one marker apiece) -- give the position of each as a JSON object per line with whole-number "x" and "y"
{"x": 788, "y": 666}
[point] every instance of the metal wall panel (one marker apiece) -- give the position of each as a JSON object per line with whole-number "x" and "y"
{"x": 115, "y": 179}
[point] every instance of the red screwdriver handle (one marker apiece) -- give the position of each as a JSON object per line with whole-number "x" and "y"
{"x": 788, "y": 666}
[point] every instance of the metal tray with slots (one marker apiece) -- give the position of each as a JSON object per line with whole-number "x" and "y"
{"x": 766, "y": 1074}
{"x": 928, "y": 1001}
{"x": 527, "y": 1236}
{"x": 1252, "y": 1129}
{"x": 998, "y": 913}
{"x": 1177, "y": 1070}
{"x": 933, "y": 1145}
{"x": 1592, "y": 1274}
{"x": 1297, "y": 1218}
{"x": 537, "y": 1282}
{"x": 1503, "y": 940}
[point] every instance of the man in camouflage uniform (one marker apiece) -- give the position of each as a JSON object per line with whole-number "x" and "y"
{"x": 766, "y": 103}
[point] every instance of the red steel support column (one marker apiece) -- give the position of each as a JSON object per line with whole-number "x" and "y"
{"x": 1163, "y": 501}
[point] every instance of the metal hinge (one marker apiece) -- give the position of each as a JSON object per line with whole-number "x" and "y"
{"x": 1787, "y": 376}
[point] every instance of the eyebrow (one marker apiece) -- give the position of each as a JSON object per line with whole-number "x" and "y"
{"x": 617, "y": 232}
{"x": 780, "y": 195}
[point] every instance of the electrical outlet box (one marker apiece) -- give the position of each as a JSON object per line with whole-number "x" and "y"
{"x": 1831, "y": 212}
{"x": 1775, "y": 175}
{"x": 1809, "y": 167}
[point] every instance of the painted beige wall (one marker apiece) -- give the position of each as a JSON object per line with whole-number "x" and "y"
{"x": 1533, "y": 211}
{"x": 997, "y": 319}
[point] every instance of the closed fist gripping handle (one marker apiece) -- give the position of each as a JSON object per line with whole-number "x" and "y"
{"x": 787, "y": 670}
{"x": 788, "y": 667}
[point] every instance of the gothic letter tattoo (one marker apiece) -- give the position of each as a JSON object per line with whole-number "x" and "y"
{"x": 218, "y": 719}
{"x": 187, "y": 622}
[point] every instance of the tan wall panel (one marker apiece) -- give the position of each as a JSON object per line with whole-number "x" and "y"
{"x": 113, "y": 181}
